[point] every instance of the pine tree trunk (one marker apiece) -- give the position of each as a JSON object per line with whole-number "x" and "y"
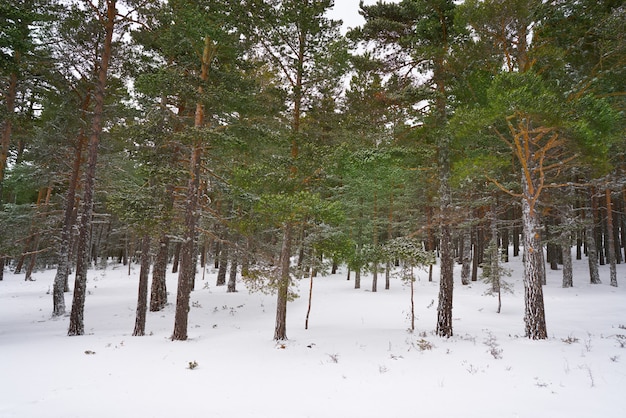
{"x": 28, "y": 276}
{"x": 592, "y": 252}
{"x": 223, "y": 259}
{"x": 245, "y": 259}
{"x": 63, "y": 268}
{"x": 232, "y": 278}
{"x": 387, "y": 275}
{"x": 431, "y": 236}
{"x": 375, "y": 244}
{"x": 389, "y": 237}
{"x": 617, "y": 246}
{"x": 375, "y": 276}
{"x": 495, "y": 253}
{"x": 7, "y": 127}
{"x": 187, "y": 267}
{"x": 516, "y": 236}
{"x": 622, "y": 224}
{"x": 142, "y": 294}
{"x": 158, "y": 291}
{"x": 505, "y": 238}
{"x": 308, "y": 309}
{"x": 280, "y": 331}
{"x": 466, "y": 256}
{"x": 597, "y": 222}
{"x": 534, "y": 316}
{"x": 568, "y": 275}
{"x": 176, "y": 263}
{"x": 541, "y": 265}
{"x": 446, "y": 282}
{"x": 76, "y": 326}
{"x": 567, "y": 220}
{"x": 357, "y": 278}
{"x": 611, "y": 241}
{"x": 203, "y": 251}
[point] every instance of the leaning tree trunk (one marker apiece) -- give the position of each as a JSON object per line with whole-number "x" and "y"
{"x": 142, "y": 294}
{"x": 280, "y": 331}
{"x": 77, "y": 326}
{"x": 534, "y": 315}
{"x": 63, "y": 267}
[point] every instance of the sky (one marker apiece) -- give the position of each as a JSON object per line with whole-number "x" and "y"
{"x": 348, "y": 11}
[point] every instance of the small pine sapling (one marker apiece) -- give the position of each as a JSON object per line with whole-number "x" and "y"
{"x": 411, "y": 254}
{"x": 492, "y": 273}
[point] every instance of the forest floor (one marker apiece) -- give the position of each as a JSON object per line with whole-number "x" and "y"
{"x": 357, "y": 359}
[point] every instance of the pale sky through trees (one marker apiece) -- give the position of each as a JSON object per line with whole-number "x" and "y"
{"x": 348, "y": 11}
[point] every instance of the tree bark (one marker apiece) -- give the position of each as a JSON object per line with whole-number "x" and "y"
{"x": 232, "y": 278}
{"x": 466, "y": 256}
{"x": 142, "y": 294}
{"x": 566, "y": 245}
{"x": 611, "y": 236}
{"x": 308, "y": 309}
{"x": 592, "y": 251}
{"x": 534, "y": 316}
{"x": 63, "y": 267}
{"x": 176, "y": 263}
{"x": 158, "y": 291}
{"x": 187, "y": 266}
{"x": 375, "y": 243}
{"x": 7, "y": 127}
{"x": 622, "y": 224}
{"x": 280, "y": 331}
{"x": 568, "y": 275}
{"x": 223, "y": 259}
{"x": 76, "y": 326}
{"x": 494, "y": 254}
{"x": 617, "y": 246}
{"x": 446, "y": 281}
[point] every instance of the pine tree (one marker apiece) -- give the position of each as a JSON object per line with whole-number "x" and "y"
{"x": 423, "y": 33}
{"x": 108, "y": 18}
{"x": 299, "y": 44}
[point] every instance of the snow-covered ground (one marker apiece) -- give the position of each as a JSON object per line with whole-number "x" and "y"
{"x": 356, "y": 360}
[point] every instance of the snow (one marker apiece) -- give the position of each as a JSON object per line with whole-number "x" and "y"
{"x": 356, "y": 360}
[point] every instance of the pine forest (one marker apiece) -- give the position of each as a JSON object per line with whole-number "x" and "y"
{"x": 263, "y": 143}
